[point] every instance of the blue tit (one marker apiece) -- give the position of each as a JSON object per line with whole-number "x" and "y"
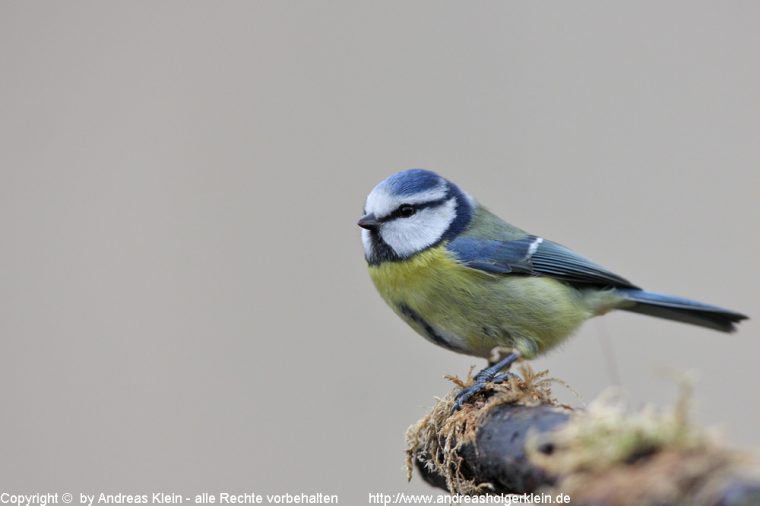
{"x": 470, "y": 282}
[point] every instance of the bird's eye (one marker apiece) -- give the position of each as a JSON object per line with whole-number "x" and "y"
{"x": 406, "y": 210}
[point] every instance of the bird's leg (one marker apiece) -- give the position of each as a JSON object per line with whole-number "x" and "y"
{"x": 488, "y": 375}
{"x": 498, "y": 353}
{"x": 501, "y": 378}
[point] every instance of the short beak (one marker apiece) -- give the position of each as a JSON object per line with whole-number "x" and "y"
{"x": 369, "y": 221}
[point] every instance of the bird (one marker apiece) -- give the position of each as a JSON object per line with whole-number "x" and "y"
{"x": 470, "y": 282}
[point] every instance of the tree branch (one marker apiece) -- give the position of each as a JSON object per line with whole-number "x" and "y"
{"x": 518, "y": 439}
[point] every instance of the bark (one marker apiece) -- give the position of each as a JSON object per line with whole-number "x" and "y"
{"x": 519, "y": 440}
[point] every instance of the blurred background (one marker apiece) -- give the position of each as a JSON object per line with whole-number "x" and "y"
{"x": 184, "y": 302}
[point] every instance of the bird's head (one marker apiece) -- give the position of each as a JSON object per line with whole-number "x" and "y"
{"x": 410, "y": 212}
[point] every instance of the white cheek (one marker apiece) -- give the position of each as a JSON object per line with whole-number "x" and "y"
{"x": 410, "y": 235}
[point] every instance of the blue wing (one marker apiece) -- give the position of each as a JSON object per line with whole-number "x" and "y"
{"x": 533, "y": 256}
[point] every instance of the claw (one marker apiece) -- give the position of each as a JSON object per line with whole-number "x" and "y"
{"x": 487, "y": 375}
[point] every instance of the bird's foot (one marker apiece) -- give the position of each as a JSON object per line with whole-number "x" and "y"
{"x": 490, "y": 374}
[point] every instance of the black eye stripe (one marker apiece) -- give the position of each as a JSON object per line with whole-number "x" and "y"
{"x": 398, "y": 214}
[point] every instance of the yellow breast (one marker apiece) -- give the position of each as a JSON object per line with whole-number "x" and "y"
{"x": 472, "y": 311}
{"x": 438, "y": 297}
{"x": 423, "y": 275}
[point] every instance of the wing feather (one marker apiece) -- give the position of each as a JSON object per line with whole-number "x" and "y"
{"x": 535, "y": 256}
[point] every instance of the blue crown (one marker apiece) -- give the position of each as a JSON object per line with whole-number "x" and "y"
{"x": 409, "y": 182}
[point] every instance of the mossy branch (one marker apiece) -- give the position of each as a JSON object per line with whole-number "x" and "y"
{"x": 518, "y": 439}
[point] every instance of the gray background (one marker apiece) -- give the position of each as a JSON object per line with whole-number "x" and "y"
{"x": 183, "y": 299}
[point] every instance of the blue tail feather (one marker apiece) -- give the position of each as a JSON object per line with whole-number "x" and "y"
{"x": 680, "y": 309}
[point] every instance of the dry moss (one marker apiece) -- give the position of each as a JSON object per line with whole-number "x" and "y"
{"x": 435, "y": 440}
{"x": 607, "y": 454}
